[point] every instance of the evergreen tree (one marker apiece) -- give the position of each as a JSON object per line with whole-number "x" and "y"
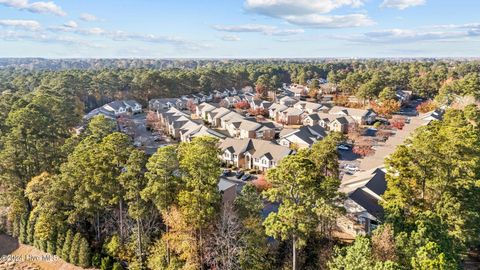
{"x": 304, "y": 193}
{"x": 67, "y": 246}
{"x": 59, "y": 244}
{"x": 106, "y": 263}
{"x": 73, "y": 257}
{"x": 84, "y": 258}
{"x": 117, "y": 266}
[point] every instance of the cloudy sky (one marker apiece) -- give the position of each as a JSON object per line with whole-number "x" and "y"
{"x": 239, "y": 28}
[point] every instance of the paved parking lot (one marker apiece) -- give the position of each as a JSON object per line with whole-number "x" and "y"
{"x": 384, "y": 149}
{"x": 142, "y": 137}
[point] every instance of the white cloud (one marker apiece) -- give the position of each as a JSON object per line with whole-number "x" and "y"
{"x": 402, "y": 4}
{"x": 22, "y": 24}
{"x": 280, "y": 8}
{"x": 258, "y": 28}
{"x": 311, "y": 13}
{"x": 71, "y": 24}
{"x": 331, "y": 21}
{"x": 46, "y": 38}
{"x": 230, "y": 38}
{"x": 35, "y": 7}
{"x": 88, "y": 17}
{"x": 396, "y": 36}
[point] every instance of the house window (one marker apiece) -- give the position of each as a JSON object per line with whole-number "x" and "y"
{"x": 264, "y": 162}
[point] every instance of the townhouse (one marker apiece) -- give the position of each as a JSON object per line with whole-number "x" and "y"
{"x": 252, "y": 153}
{"x": 303, "y": 137}
{"x": 166, "y": 103}
{"x": 310, "y": 107}
{"x": 361, "y": 116}
{"x": 330, "y": 122}
{"x": 289, "y": 116}
{"x": 364, "y": 194}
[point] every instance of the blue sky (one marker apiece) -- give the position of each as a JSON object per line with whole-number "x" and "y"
{"x": 239, "y": 28}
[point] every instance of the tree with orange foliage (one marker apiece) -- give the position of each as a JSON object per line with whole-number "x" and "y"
{"x": 363, "y": 150}
{"x": 386, "y": 108}
{"x": 261, "y": 183}
{"x": 258, "y": 111}
{"x": 398, "y": 123}
{"x": 340, "y": 100}
{"x": 427, "y": 106}
{"x": 191, "y": 106}
{"x": 242, "y": 105}
{"x": 153, "y": 121}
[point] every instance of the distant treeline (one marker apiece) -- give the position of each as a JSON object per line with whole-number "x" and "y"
{"x": 97, "y": 82}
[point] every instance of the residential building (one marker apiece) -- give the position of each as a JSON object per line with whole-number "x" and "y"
{"x": 363, "y": 210}
{"x": 166, "y": 103}
{"x": 290, "y": 116}
{"x": 298, "y": 90}
{"x": 435, "y": 115}
{"x": 361, "y": 116}
{"x": 310, "y": 107}
{"x": 403, "y": 96}
{"x": 202, "y": 109}
{"x": 214, "y": 116}
{"x": 252, "y": 153}
{"x": 276, "y": 108}
{"x": 228, "y": 190}
{"x": 303, "y": 137}
{"x": 288, "y": 101}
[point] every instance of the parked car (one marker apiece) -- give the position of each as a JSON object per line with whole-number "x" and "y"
{"x": 157, "y": 138}
{"x": 343, "y": 147}
{"x": 351, "y": 167}
{"x": 225, "y": 172}
{"x": 137, "y": 144}
{"x": 239, "y": 174}
{"x": 245, "y": 177}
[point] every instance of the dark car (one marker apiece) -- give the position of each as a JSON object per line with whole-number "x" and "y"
{"x": 246, "y": 177}
{"x": 225, "y": 172}
{"x": 239, "y": 174}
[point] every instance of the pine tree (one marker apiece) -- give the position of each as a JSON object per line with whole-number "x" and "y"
{"x": 75, "y": 248}
{"x": 23, "y": 230}
{"x": 59, "y": 244}
{"x": 67, "y": 246}
{"x": 84, "y": 253}
{"x": 51, "y": 246}
{"x": 117, "y": 266}
{"x": 31, "y": 229}
{"x": 106, "y": 263}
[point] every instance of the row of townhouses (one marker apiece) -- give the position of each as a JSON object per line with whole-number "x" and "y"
{"x": 115, "y": 109}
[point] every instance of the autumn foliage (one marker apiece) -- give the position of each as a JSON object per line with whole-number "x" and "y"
{"x": 258, "y": 111}
{"x": 191, "y": 106}
{"x": 398, "y": 123}
{"x": 261, "y": 183}
{"x": 363, "y": 150}
{"x": 242, "y": 105}
{"x": 385, "y": 108}
{"x": 427, "y": 106}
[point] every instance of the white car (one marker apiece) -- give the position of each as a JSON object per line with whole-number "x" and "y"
{"x": 351, "y": 167}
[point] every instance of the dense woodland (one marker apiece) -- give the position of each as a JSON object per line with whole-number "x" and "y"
{"x": 94, "y": 200}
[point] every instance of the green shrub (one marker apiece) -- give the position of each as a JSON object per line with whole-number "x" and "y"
{"x": 117, "y": 266}
{"x": 106, "y": 263}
